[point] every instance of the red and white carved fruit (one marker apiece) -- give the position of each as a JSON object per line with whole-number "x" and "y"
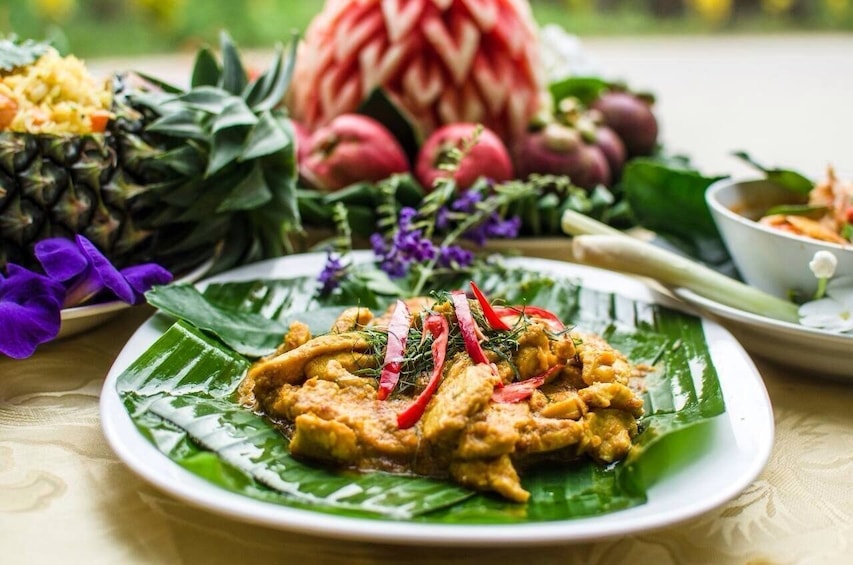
{"x": 488, "y": 157}
{"x": 442, "y": 61}
{"x": 351, "y": 148}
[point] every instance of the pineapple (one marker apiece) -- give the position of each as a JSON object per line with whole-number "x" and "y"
{"x": 441, "y": 61}
{"x": 177, "y": 177}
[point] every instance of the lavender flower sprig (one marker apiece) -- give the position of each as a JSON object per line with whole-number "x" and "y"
{"x": 425, "y": 241}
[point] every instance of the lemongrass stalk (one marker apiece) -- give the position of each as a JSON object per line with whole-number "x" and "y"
{"x": 602, "y": 246}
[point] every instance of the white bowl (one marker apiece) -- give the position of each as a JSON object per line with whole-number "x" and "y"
{"x": 772, "y": 260}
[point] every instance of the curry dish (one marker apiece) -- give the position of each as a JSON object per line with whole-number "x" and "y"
{"x": 449, "y": 387}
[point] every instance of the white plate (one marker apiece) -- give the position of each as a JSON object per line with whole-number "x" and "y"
{"x": 738, "y": 448}
{"x": 810, "y": 350}
{"x": 83, "y": 318}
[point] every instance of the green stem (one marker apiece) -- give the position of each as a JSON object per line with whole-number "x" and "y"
{"x": 821, "y": 288}
{"x": 605, "y": 247}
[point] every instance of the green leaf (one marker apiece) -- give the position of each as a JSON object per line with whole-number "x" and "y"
{"x": 233, "y": 77}
{"x": 271, "y": 133}
{"x": 227, "y": 147}
{"x": 669, "y": 199}
{"x": 380, "y": 107}
{"x": 185, "y": 123}
{"x": 786, "y": 178}
{"x": 585, "y": 89}
{"x": 206, "y": 71}
{"x": 247, "y": 333}
{"x": 280, "y": 175}
{"x": 209, "y": 99}
{"x": 250, "y": 193}
{"x": 797, "y": 210}
{"x": 268, "y": 90}
{"x": 235, "y": 113}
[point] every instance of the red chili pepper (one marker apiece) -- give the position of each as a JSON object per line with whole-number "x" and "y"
{"x": 848, "y": 215}
{"x": 534, "y": 312}
{"x": 520, "y": 390}
{"x": 468, "y": 327}
{"x": 398, "y": 331}
{"x": 488, "y": 311}
{"x": 437, "y": 325}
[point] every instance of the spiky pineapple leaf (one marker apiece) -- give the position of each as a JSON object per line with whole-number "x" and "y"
{"x": 250, "y": 193}
{"x": 184, "y": 123}
{"x": 270, "y": 135}
{"x": 235, "y": 113}
{"x": 206, "y": 71}
{"x": 187, "y": 160}
{"x": 233, "y": 77}
{"x": 280, "y": 173}
{"x": 267, "y": 91}
{"x": 209, "y": 99}
{"x": 226, "y": 148}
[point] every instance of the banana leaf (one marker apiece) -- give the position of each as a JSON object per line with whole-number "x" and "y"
{"x": 181, "y": 395}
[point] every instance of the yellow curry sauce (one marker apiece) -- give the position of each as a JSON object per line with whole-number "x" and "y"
{"x": 540, "y": 394}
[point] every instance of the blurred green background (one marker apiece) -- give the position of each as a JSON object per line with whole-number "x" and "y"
{"x": 99, "y": 28}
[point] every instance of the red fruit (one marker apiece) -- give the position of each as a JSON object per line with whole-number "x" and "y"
{"x": 351, "y": 148}
{"x": 441, "y": 61}
{"x": 488, "y": 158}
{"x": 631, "y": 117}
{"x": 613, "y": 148}
{"x": 560, "y": 150}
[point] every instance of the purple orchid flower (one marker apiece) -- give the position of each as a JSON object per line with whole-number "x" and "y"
{"x": 87, "y": 272}
{"x": 29, "y": 311}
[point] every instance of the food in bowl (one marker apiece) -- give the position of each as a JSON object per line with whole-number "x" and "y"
{"x": 826, "y": 216}
{"x": 413, "y": 392}
{"x": 770, "y": 255}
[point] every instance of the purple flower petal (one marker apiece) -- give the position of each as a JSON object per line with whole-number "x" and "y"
{"x": 102, "y": 269}
{"x": 30, "y": 306}
{"x": 142, "y": 277}
{"x": 61, "y": 258}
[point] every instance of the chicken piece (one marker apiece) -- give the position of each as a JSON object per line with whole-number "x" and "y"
{"x": 549, "y": 434}
{"x": 465, "y": 391}
{"x": 534, "y": 355}
{"x": 612, "y": 395}
{"x": 289, "y": 368}
{"x": 298, "y": 333}
{"x": 352, "y": 319}
{"x": 350, "y": 361}
{"x": 496, "y": 475}
{"x": 324, "y": 440}
{"x": 351, "y": 401}
{"x": 602, "y": 363}
{"x": 608, "y": 435}
{"x": 564, "y": 404}
{"x": 494, "y": 432}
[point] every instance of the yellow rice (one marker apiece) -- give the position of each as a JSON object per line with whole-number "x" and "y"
{"x": 53, "y": 95}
